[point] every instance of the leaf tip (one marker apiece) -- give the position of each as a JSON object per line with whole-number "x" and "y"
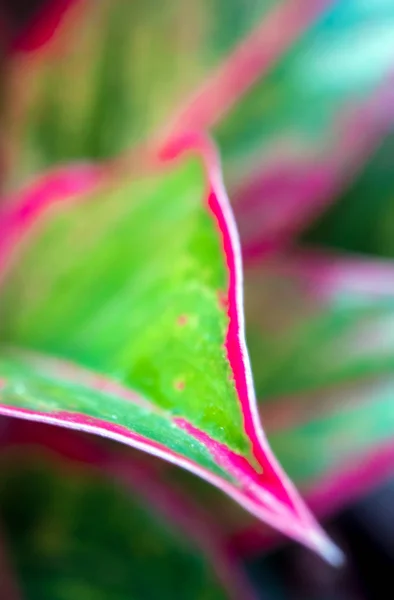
{"x": 326, "y": 548}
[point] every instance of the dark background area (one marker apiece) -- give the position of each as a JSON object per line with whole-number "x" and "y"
{"x": 16, "y": 16}
{"x": 364, "y": 531}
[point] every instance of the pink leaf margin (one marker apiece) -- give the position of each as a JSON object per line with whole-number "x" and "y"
{"x": 332, "y": 493}
{"x": 288, "y": 514}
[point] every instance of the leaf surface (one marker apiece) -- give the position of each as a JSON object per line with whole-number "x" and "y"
{"x": 330, "y": 322}
{"x": 121, "y": 314}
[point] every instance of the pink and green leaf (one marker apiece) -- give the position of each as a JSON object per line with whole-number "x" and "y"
{"x": 342, "y": 57}
{"x": 234, "y": 67}
{"x": 337, "y": 449}
{"x": 340, "y": 383}
{"x": 170, "y": 69}
{"x": 321, "y": 339}
{"x": 121, "y": 314}
{"x": 287, "y": 193}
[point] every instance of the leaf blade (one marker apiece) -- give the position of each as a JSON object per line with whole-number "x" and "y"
{"x": 148, "y": 342}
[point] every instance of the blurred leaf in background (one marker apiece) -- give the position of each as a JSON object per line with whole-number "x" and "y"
{"x": 73, "y": 531}
{"x": 120, "y": 72}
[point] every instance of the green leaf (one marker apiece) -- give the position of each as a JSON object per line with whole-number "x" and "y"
{"x": 321, "y": 341}
{"x": 136, "y": 285}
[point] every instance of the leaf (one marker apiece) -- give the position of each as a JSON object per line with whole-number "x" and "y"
{"x": 26, "y": 28}
{"x": 122, "y": 311}
{"x": 245, "y": 70}
{"x": 287, "y": 192}
{"x": 320, "y": 335}
{"x": 343, "y": 56}
{"x": 362, "y": 219}
{"x": 337, "y": 445}
{"x": 171, "y": 68}
{"x": 331, "y": 340}
{"x": 340, "y": 444}
{"x": 73, "y": 531}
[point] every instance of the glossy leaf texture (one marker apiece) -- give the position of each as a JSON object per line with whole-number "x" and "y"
{"x": 169, "y": 68}
{"x": 71, "y": 529}
{"x": 121, "y": 314}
